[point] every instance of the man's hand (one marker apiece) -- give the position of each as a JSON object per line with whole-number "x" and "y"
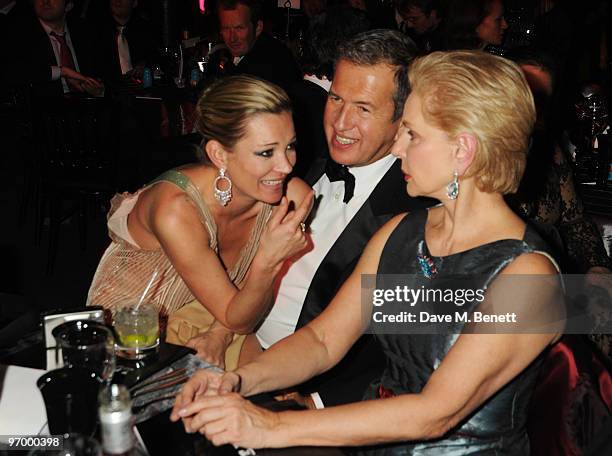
{"x": 95, "y": 88}
{"x": 83, "y": 83}
{"x": 137, "y": 72}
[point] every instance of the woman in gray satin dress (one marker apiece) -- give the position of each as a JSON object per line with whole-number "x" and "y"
{"x": 455, "y": 389}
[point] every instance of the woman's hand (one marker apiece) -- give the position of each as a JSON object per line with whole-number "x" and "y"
{"x": 304, "y": 401}
{"x": 203, "y": 382}
{"x": 284, "y": 235}
{"x": 230, "y": 418}
{"x": 211, "y": 345}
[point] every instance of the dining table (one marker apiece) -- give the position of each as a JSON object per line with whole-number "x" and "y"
{"x": 22, "y": 410}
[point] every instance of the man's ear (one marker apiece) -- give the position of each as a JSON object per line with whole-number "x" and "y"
{"x": 466, "y": 151}
{"x": 216, "y": 153}
{"x": 259, "y": 28}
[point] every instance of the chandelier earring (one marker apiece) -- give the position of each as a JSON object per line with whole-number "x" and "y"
{"x": 222, "y": 196}
{"x": 452, "y": 189}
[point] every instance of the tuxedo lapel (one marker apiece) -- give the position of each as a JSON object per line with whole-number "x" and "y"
{"x": 388, "y": 199}
{"x": 339, "y": 262}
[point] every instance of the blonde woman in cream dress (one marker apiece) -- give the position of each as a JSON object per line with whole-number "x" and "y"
{"x": 217, "y": 232}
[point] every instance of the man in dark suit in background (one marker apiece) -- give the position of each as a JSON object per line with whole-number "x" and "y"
{"x": 254, "y": 51}
{"x": 52, "y": 55}
{"x": 126, "y": 42}
{"x": 421, "y": 20}
{"x": 358, "y": 189}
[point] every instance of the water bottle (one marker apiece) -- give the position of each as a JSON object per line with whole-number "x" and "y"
{"x": 195, "y": 77}
{"x": 147, "y": 78}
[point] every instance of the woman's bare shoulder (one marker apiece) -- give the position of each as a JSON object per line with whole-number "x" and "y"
{"x": 170, "y": 207}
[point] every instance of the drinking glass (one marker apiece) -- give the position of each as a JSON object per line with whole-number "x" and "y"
{"x": 137, "y": 329}
{"x": 70, "y": 396}
{"x": 88, "y": 344}
{"x": 172, "y": 63}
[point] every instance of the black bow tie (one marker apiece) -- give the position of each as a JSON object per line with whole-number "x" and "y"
{"x": 336, "y": 172}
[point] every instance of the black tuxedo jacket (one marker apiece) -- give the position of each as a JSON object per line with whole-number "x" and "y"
{"x": 348, "y": 380}
{"x": 30, "y": 56}
{"x": 269, "y": 59}
{"x": 141, "y": 42}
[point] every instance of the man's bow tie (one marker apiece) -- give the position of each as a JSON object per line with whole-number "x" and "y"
{"x": 336, "y": 172}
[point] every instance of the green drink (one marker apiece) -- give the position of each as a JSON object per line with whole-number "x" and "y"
{"x": 137, "y": 329}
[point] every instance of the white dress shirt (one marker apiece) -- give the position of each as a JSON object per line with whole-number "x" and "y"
{"x": 331, "y": 218}
{"x": 125, "y": 61}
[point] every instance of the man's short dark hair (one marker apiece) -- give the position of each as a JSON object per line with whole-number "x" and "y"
{"x": 254, "y": 7}
{"x": 326, "y": 33}
{"x": 427, "y": 6}
{"x": 385, "y": 46}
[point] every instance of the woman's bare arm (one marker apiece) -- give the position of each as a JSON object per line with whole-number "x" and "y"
{"x": 477, "y": 366}
{"x": 313, "y": 349}
{"x": 178, "y": 229}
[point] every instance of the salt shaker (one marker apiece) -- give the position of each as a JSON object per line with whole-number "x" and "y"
{"x": 115, "y": 412}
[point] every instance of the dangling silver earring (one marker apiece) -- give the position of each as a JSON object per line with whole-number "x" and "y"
{"x": 223, "y": 196}
{"x": 452, "y": 189}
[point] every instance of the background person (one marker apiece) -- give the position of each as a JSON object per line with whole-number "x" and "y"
{"x": 253, "y": 50}
{"x": 52, "y": 54}
{"x": 421, "y": 20}
{"x": 126, "y": 42}
{"x": 449, "y": 392}
{"x": 547, "y": 194}
{"x": 209, "y": 230}
{"x": 473, "y": 24}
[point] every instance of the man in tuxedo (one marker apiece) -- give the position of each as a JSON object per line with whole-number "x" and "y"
{"x": 254, "y": 51}
{"x": 126, "y": 41}
{"x": 359, "y": 188}
{"x": 52, "y": 55}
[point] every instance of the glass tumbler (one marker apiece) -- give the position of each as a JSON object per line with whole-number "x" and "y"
{"x": 87, "y": 344}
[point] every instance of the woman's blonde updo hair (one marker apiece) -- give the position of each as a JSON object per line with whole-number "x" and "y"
{"x": 226, "y": 105}
{"x": 487, "y": 96}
